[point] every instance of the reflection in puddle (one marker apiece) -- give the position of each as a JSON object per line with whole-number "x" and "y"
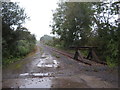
{"x": 35, "y": 74}
{"x": 41, "y": 74}
{"x": 43, "y": 55}
{"x": 37, "y": 83}
{"x": 44, "y": 63}
{"x": 47, "y": 61}
{"x": 24, "y": 74}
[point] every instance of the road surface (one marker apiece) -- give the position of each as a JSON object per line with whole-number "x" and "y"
{"x": 49, "y": 69}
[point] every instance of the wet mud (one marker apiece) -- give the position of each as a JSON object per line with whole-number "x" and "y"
{"x": 45, "y": 70}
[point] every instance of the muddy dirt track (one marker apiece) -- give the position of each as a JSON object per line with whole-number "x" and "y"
{"x": 49, "y": 69}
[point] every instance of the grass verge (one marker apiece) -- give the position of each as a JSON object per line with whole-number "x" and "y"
{"x": 7, "y": 61}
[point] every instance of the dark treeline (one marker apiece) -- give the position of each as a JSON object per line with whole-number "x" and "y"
{"x": 17, "y": 41}
{"x": 88, "y": 24}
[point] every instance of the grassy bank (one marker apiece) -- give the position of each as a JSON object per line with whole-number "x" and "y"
{"x": 7, "y": 61}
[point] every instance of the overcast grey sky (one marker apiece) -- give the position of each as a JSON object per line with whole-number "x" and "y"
{"x": 40, "y": 13}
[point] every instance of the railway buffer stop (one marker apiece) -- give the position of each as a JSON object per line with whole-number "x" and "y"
{"x": 91, "y": 53}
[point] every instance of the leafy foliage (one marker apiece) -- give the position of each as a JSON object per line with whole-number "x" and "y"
{"x": 46, "y": 39}
{"x": 72, "y": 23}
{"x": 16, "y": 42}
{"x": 89, "y": 24}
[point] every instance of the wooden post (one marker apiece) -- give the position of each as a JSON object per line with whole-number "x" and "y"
{"x": 81, "y": 57}
{"x": 95, "y": 56}
{"x": 90, "y": 55}
{"x": 76, "y": 54}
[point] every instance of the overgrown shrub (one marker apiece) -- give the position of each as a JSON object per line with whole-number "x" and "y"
{"x": 16, "y": 42}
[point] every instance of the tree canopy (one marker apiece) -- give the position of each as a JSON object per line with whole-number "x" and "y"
{"x": 89, "y": 24}
{"x": 17, "y": 41}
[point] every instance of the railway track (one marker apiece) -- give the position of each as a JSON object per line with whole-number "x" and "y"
{"x": 85, "y": 61}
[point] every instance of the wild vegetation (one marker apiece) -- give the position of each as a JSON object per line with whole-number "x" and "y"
{"x": 46, "y": 39}
{"x": 89, "y": 24}
{"x": 17, "y": 41}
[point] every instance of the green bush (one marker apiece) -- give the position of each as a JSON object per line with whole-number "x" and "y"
{"x": 23, "y": 50}
{"x": 22, "y": 47}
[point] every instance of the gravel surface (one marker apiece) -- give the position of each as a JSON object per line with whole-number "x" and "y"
{"x": 49, "y": 69}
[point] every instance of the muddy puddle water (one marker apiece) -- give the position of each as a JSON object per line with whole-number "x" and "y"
{"x": 34, "y": 79}
{"x": 37, "y": 83}
{"x": 40, "y": 80}
{"x": 35, "y": 74}
{"x": 47, "y": 61}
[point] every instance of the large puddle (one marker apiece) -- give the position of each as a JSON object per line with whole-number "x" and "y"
{"x": 47, "y": 61}
{"x": 37, "y": 83}
{"x": 35, "y": 79}
{"x": 35, "y": 74}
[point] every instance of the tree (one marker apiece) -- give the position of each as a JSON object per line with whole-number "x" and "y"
{"x": 106, "y": 30}
{"x": 17, "y": 41}
{"x": 89, "y": 24}
{"x": 12, "y": 15}
{"x": 72, "y": 23}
